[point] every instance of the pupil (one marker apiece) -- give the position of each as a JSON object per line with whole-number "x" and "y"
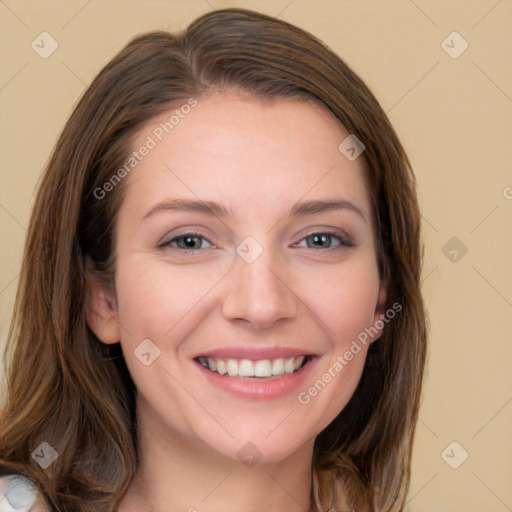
{"x": 189, "y": 240}
{"x": 319, "y": 238}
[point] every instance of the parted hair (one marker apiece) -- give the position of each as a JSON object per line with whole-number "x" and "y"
{"x": 70, "y": 390}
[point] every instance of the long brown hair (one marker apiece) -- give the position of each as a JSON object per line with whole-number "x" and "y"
{"x": 75, "y": 393}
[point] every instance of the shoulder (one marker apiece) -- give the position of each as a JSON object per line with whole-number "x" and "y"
{"x": 19, "y": 494}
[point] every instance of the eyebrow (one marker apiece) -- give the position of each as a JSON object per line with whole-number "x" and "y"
{"x": 300, "y": 209}
{"x": 189, "y": 205}
{"x": 311, "y": 207}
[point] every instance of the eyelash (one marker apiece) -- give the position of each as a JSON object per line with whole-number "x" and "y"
{"x": 344, "y": 240}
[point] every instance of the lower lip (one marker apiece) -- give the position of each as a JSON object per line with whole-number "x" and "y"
{"x": 266, "y": 388}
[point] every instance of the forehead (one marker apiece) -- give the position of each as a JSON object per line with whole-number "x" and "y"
{"x": 239, "y": 150}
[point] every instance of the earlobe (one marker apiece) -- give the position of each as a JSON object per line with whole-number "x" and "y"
{"x": 102, "y": 312}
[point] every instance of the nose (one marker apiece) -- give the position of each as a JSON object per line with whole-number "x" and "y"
{"x": 259, "y": 293}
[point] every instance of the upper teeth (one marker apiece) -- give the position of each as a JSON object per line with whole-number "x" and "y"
{"x": 249, "y": 368}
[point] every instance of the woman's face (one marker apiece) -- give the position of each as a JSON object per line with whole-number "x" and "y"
{"x": 245, "y": 247}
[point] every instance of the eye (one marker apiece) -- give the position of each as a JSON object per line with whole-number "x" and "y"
{"x": 325, "y": 239}
{"x": 187, "y": 242}
{"x": 316, "y": 240}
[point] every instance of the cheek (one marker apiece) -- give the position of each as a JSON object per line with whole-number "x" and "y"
{"x": 163, "y": 305}
{"x": 154, "y": 298}
{"x": 345, "y": 299}
{"x": 346, "y": 307}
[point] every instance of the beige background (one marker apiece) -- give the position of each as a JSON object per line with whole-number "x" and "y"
{"x": 454, "y": 118}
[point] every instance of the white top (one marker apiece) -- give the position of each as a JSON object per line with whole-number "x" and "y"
{"x": 19, "y": 494}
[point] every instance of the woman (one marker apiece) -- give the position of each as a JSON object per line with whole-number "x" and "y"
{"x": 219, "y": 304}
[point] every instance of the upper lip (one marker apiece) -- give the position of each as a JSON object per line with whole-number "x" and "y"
{"x": 254, "y": 353}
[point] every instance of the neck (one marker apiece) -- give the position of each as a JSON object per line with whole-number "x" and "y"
{"x": 178, "y": 472}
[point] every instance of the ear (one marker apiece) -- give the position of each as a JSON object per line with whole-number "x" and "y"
{"x": 102, "y": 312}
{"x": 379, "y": 321}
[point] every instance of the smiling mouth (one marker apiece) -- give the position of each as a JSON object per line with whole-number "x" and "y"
{"x": 261, "y": 368}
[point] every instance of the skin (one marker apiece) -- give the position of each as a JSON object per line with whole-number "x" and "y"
{"x": 258, "y": 159}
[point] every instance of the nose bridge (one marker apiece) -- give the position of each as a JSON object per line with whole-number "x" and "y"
{"x": 258, "y": 290}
